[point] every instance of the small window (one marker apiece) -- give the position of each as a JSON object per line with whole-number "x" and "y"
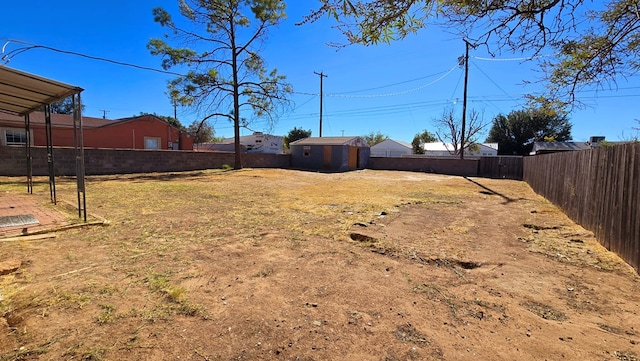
{"x": 258, "y": 140}
{"x": 151, "y": 143}
{"x": 307, "y": 150}
{"x": 15, "y": 137}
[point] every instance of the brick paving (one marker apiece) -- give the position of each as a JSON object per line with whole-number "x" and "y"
{"x": 13, "y": 204}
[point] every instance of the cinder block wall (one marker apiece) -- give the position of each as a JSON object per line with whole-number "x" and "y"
{"x": 461, "y": 167}
{"x": 122, "y": 161}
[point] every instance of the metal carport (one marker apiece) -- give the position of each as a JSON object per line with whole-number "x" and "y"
{"x": 23, "y": 93}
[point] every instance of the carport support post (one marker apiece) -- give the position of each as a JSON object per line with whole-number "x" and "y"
{"x": 79, "y": 148}
{"x": 27, "y": 136}
{"x": 52, "y": 177}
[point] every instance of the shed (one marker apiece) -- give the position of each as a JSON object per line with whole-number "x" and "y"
{"x": 391, "y": 148}
{"x": 333, "y": 154}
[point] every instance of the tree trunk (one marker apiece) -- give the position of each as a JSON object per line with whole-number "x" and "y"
{"x": 236, "y": 98}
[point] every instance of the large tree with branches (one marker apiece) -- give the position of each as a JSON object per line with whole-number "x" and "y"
{"x": 227, "y": 75}
{"x": 594, "y": 43}
{"x": 517, "y": 131}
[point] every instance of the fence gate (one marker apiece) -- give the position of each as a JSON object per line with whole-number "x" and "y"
{"x": 509, "y": 167}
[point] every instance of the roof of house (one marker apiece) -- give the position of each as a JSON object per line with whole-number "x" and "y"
{"x": 66, "y": 120}
{"x": 353, "y": 141}
{"x": 385, "y": 143}
{"x": 438, "y": 146}
{"x": 62, "y": 120}
{"x": 493, "y": 146}
{"x": 559, "y": 146}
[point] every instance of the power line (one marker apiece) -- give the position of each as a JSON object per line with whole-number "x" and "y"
{"x": 396, "y": 93}
{"x": 10, "y": 55}
{"x": 513, "y": 59}
{"x": 393, "y": 84}
{"x": 303, "y": 104}
{"x": 492, "y": 82}
{"x": 345, "y": 94}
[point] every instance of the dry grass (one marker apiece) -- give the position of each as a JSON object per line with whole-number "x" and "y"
{"x": 161, "y": 216}
{"x": 199, "y": 206}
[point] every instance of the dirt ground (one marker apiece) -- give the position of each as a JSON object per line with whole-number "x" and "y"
{"x": 264, "y": 264}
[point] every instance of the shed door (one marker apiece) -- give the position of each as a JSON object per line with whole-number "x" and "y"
{"x": 353, "y": 158}
{"x": 327, "y": 157}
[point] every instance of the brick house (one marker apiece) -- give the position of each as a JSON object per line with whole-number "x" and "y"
{"x": 140, "y": 132}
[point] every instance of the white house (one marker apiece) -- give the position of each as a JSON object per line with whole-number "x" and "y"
{"x": 439, "y": 149}
{"x": 391, "y": 148}
{"x": 257, "y": 142}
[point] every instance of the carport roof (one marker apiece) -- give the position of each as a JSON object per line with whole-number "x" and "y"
{"x": 21, "y": 93}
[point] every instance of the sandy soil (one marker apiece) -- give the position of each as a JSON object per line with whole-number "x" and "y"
{"x": 286, "y": 265}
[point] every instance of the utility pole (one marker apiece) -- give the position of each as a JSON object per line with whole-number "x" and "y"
{"x": 321, "y": 74}
{"x": 104, "y": 113}
{"x": 464, "y": 99}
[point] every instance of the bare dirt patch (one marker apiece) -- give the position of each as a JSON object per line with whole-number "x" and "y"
{"x": 286, "y": 265}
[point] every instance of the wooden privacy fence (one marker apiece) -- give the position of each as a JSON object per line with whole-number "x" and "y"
{"x": 599, "y": 189}
{"x": 507, "y": 167}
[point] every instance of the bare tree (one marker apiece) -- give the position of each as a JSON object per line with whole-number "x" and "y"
{"x": 633, "y": 138}
{"x": 450, "y": 131}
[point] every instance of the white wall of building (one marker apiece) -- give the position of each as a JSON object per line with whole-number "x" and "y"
{"x": 391, "y": 148}
{"x": 262, "y": 143}
{"x": 439, "y": 149}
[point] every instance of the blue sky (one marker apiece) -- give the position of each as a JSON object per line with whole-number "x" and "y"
{"x": 396, "y": 89}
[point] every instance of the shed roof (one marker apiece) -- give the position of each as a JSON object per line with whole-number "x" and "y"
{"x": 559, "y": 146}
{"x": 354, "y": 141}
{"x": 22, "y": 93}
